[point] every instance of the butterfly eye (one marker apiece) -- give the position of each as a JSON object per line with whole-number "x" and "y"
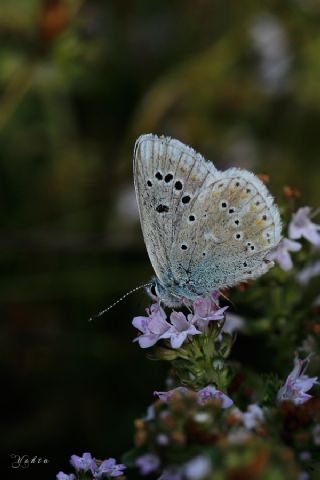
{"x": 153, "y": 290}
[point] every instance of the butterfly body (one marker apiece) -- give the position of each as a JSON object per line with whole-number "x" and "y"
{"x": 204, "y": 229}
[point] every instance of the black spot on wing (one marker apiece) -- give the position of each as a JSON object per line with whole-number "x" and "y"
{"x": 162, "y": 208}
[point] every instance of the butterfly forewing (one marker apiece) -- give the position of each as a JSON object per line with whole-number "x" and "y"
{"x": 168, "y": 175}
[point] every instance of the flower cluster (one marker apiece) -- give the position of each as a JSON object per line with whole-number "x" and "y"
{"x": 219, "y": 417}
{"x": 95, "y": 469}
{"x": 181, "y": 423}
{"x": 205, "y": 394}
{"x": 155, "y": 326}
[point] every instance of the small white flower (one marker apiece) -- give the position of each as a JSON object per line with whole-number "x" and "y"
{"x": 201, "y": 417}
{"x": 162, "y": 439}
{"x": 253, "y": 416}
{"x": 147, "y": 463}
{"x": 198, "y": 468}
{"x": 281, "y": 253}
{"x": 301, "y": 226}
{"x": 233, "y": 323}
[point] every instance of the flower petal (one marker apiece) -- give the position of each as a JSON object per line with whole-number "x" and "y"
{"x": 179, "y": 321}
{"x": 148, "y": 340}
{"x": 141, "y": 323}
{"x": 157, "y": 311}
{"x": 177, "y": 339}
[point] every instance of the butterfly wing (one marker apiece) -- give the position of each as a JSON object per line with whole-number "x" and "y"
{"x": 166, "y": 173}
{"x": 235, "y": 225}
{"x": 203, "y": 229}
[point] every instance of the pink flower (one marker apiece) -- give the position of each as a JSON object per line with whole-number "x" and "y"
{"x": 210, "y": 392}
{"x": 85, "y": 463}
{"x": 109, "y": 469}
{"x": 180, "y": 329}
{"x": 204, "y": 395}
{"x": 153, "y": 327}
{"x": 297, "y": 383}
{"x": 165, "y": 396}
{"x": 281, "y": 253}
{"x": 301, "y": 226}
{"x": 206, "y": 309}
{"x": 148, "y": 463}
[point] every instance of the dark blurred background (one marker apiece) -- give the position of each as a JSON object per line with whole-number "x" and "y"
{"x": 79, "y": 81}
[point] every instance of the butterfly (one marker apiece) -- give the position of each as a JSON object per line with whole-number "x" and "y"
{"x": 204, "y": 229}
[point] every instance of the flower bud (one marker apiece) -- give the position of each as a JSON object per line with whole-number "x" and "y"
{"x": 163, "y": 353}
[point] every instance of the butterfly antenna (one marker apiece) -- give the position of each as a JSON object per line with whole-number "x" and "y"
{"x": 97, "y": 315}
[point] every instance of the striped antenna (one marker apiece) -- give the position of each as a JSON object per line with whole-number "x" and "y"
{"x": 97, "y": 315}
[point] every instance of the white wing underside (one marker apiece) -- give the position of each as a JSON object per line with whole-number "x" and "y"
{"x": 204, "y": 229}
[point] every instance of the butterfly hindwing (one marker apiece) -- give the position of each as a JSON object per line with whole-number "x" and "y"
{"x": 235, "y": 226}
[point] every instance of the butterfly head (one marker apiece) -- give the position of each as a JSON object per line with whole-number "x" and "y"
{"x": 157, "y": 291}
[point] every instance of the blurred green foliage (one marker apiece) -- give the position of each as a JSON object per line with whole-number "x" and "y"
{"x": 79, "y": 81}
